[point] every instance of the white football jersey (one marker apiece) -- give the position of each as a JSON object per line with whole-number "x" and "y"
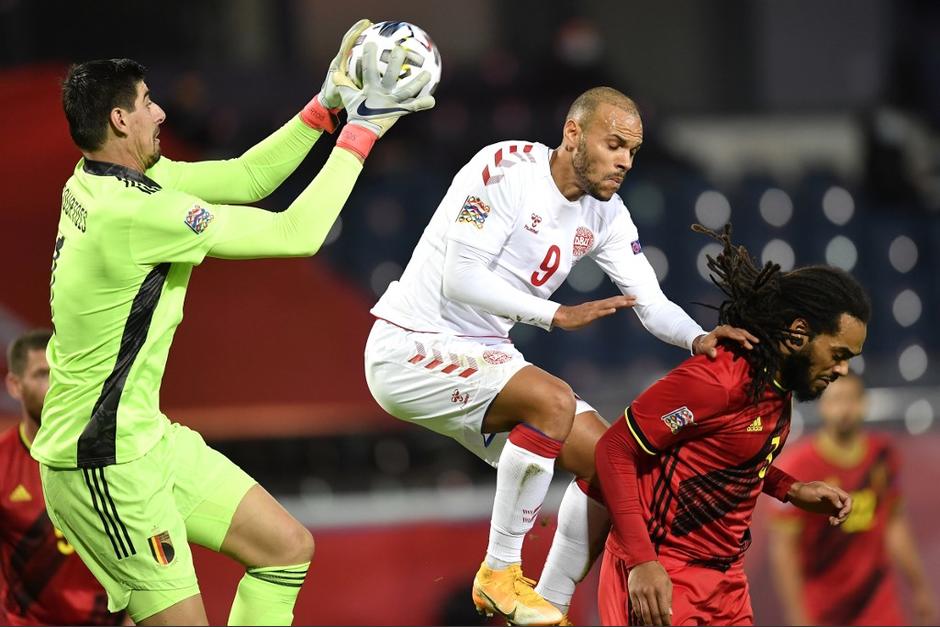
{"x": 504, "y": 202}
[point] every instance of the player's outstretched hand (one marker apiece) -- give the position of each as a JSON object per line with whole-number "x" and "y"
{"x": 821, "y": 498}
{"x": 382, "y": 100}
{"x": 577, "y": 316}
{"x": 650, "y": 593}
{"x": 338, "y": 73}
{"x": 708, "y": 344}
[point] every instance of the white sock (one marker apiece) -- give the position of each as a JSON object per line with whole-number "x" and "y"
{"x": 583, "y": 524}
{"x": 522, "y": 480}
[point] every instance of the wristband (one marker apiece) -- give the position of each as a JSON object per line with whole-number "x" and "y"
{"x": 318, "y": 117}
{"x": 356, "y": 139}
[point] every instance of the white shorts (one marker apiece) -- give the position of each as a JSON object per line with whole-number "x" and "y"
{"x": 443, "y": 382}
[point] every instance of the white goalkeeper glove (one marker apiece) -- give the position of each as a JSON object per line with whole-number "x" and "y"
{"x": 320, "y": 112}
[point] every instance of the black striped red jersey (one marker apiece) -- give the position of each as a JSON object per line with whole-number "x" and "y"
{"x": 44, "y": 582}
{"x": 708, "y": 449}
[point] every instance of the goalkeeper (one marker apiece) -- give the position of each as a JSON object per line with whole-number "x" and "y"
{"x": 128, "y": 488}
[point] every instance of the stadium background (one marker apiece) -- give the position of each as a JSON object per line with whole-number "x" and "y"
{"x": 814, "y": 126}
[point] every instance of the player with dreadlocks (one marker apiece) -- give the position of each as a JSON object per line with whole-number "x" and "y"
{"x": 682, "y": 470}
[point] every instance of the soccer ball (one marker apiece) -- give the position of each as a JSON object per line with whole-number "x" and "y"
{"x": 421, "y": 52}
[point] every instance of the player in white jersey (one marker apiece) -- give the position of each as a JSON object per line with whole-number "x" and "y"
{"x": 514, "y": 222}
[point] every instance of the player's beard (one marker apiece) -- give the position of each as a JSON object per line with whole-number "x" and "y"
{"x": 152, "y": 159}
{"x": 795, "y": 375}
{"x": 32, "y": 403}
{"x": 582, "y": 168}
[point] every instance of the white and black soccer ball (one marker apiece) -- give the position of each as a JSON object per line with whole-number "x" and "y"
{"x": 421, "y": 52}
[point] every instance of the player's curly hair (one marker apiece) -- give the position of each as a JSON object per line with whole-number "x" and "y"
{"x": 765, "y": 301}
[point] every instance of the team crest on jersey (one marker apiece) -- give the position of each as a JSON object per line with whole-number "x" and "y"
{"x": 635, "y": 245}
{"x": 198, "y": 219}
{"x": 161, "y": 547}
{"x": 583, "y": 240}
{"x": 495, "y": 357}
{"x": 678, "y": 418}
{"x": 474, "y": 212}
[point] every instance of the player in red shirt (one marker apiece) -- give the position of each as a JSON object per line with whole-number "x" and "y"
{"x": 844, "y": 575}
{"x": 44, "y": 582}
{"x": 681, "y": 472}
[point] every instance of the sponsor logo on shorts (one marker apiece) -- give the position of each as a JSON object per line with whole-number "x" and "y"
{"x": 474, "y": 212}
{"x": 679, "y": 418}
{"x": 161, "y": 547}
{"x": 460, "y": 399}
{"x": 583, "y": 241}
{"x": 496, "y": 357}
{"x": 198, "y": 219}
{"x": 635, "y": 245}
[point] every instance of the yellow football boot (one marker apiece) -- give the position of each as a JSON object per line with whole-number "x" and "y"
{"x": 508, "y": 593}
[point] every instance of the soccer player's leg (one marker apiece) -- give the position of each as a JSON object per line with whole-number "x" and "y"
{"x": 448, "y": 384}
{"x": 730, "y": 600}
{"x": 124, "y": 524}
{"x": 227, "y": 511}
{"x": 613, "y": 597}
{"x": 583, "y": 521}
{"x": 538, "y": 411}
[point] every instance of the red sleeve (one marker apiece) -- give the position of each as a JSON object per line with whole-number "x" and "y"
{"x": 798, "y": 460}
{"x": 777, "y": 483}
{"x": 667, "y": 411}
{"x": 615, "y": 459}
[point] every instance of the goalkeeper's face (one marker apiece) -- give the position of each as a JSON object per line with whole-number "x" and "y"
{"x": 605, "y": 150}
{"x": 144, "y": 127}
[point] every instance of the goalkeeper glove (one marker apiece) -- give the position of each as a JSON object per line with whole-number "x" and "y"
{"x": 372, "y": 110}
{"x": 320, "y": 112}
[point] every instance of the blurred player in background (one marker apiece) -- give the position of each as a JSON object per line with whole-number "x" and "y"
{"x": 43, "y": 581}
{"x": 128, "y": 488}
{"x": 514, "y": 222}
{"x": 682, "y": 469}
{"x": 845, "y": 575}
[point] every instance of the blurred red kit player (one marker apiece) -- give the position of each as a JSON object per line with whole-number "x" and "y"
{"x": 846, "y": 575}
{"x": 682, "y": 469}
{"x": 43, "y": 581}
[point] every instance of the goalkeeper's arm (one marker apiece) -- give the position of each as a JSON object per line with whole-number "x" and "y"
{"x": 300, "y": 229}
{"x": 263, "y": 168}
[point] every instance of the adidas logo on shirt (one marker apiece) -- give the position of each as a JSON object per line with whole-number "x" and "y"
{"x": 756, "y": 425}
{"x": 20, "y": 494}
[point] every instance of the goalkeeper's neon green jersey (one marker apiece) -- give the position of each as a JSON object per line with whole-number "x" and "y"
{"x": 126, "y": 246}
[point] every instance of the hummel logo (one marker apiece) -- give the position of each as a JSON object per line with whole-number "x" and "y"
{"x": 365, "y": 110}
{"x": 756, "y": 425}
{"x": 536, "y": 220}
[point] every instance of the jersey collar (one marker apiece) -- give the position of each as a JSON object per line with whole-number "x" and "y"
{"x": 103, "y": 168}
{"x": 25, "y": 442}
{"x": 839, "y": 456}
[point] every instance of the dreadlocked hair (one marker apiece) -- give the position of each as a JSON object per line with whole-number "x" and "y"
{"x": 765, "y": 301}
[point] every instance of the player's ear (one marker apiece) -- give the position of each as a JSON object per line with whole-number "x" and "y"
{"x": 571, "y": 135}
{"x": 118, "y": 121}
{"x": 13, "y": 386}
{"x": 799, "y": 329}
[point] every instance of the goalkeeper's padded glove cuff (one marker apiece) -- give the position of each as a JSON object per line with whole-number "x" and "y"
{"x": 318, "y": 117}
{"x": 357, "y": 139}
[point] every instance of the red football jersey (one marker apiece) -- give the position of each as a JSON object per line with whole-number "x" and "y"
{"x": 847, "y": 575}
{"x": 710, "y": 447}
{"x": 44, "y": 582}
